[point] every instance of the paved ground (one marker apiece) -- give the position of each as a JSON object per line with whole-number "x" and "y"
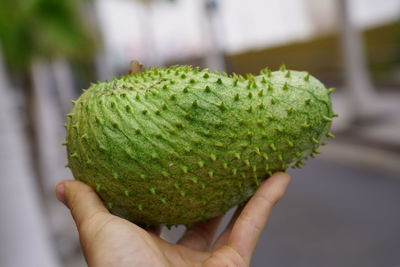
{"x": 334, "y": 215}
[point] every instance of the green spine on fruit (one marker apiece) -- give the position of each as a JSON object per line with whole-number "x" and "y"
{"x": 178, "y": 145}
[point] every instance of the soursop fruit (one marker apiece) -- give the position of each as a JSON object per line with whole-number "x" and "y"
{"x": 178, "y": 145}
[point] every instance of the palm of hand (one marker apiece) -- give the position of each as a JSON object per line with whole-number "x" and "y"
{"x": 108, "y": 240}
{"x": 120, "y": 243}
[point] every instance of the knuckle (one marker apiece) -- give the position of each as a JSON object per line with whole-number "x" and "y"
{"x": 266, "y": 200}
{"x": 90, "y": 220}
{"x": 226, "y": 256}
{"x": 270, "y": 199}
{"x": 246, "y": 218}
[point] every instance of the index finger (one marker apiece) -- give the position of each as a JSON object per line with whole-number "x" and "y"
{"x": 251, "y": 221}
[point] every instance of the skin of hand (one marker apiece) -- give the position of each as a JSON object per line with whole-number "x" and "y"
{"x": 108, "y": 240}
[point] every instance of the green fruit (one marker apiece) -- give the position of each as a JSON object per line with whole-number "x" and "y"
{"x": 178, "y": 145}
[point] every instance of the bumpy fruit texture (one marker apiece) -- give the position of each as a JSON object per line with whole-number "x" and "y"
{"x": 178, "y": 145}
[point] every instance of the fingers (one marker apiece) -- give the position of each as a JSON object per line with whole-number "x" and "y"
{"x": 81, "y": 200}
{"x": 251, "y": 221}
{"x": 200, "y": 236}
{"x": 224, "y": 236}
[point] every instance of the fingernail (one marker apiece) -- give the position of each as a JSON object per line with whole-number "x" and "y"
{"x": 60, "y": 192}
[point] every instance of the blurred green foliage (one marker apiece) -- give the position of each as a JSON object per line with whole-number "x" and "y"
{"x": 44, "y": 29}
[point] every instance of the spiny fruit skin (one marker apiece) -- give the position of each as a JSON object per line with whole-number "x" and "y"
{"x": 177, "y": 145}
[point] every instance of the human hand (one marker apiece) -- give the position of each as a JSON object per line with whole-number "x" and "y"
{"x": 108, "y": 240}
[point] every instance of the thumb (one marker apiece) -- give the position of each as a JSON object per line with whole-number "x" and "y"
{"x": 81, "y": 199}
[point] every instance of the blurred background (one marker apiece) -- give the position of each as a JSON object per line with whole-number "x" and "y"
{"x": 342, "y": 208}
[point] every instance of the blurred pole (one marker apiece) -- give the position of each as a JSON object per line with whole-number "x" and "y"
{"x": 64, "y": 83}
{"x": 62, "y": 226}
{"x": 23, "y": 227}
{"x": 48, "y": 127}
{"x": 361, "y": 92}
{"x": 105, "y": 69}
{"x": 49, "y": 156}
{"x": 148, "y": 34}
{"x": 214, "y": 57}
{"x": 323, "y": 15}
